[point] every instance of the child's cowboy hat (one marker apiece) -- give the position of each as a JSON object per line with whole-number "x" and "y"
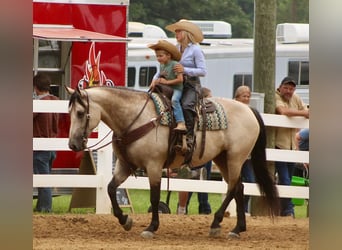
{"x": 187, "y": 26}
{"x": 169, "y": 47}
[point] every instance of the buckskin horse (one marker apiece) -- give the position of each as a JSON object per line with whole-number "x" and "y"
{"x": 126, "y": 112}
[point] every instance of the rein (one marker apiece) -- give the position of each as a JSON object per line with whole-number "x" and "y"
{"x": 126, "y": 138}
{"x": 121, "y": 142}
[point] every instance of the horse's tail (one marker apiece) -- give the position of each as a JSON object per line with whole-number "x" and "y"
{"x": 262, "y": 175}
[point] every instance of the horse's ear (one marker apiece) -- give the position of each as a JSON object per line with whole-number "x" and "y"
{"x": 69, "y": 90}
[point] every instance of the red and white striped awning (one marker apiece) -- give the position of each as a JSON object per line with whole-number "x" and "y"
{"x": 71, "y": 34}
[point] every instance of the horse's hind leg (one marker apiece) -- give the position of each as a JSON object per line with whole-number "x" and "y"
{"x": 237, "y": 194}
{"x": 241, "y": 216}
{"x": 215, "y": 228}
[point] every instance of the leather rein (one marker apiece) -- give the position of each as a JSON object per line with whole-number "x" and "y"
{"x": 127, "y": 137}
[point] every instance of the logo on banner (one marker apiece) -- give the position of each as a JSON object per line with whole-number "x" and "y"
{"x": 93, "y": 75}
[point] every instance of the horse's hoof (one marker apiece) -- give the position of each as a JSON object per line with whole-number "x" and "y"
{"x": 232, "y": 235}
{"x": 215, "y": 232}
{"x": 147, "y": 235}
{"x": 128, "y": 224}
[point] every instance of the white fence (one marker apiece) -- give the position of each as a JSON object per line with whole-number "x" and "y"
{"x": 104, "y": 162}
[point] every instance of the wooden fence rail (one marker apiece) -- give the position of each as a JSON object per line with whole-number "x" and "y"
{"x": 104, "y": 161}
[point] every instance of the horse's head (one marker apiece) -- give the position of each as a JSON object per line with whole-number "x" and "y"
{"x": 83, "y": 118}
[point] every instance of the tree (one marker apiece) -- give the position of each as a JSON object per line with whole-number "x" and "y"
{"x": 239, "y": 13}
{"x": 264, "y": 66}
{"x": 165, "y": 12}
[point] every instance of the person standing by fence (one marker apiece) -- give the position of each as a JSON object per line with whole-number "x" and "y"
{"x": 44, "y": 125}
{"x": 302, "y": 144}
{"x": 192, "y": 65}
{"x": 203, "y": 171}
{"x": 243, "y": 94}
{"x": 289, "y": 104}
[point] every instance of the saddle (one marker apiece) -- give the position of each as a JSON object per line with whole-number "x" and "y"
{"x": 204, "y": 108}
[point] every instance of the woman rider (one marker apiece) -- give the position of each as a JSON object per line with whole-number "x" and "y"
{"x": 192, "y": 66}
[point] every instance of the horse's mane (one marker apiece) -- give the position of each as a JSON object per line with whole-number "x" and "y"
{"x": 76, "y": 97}
{"x": 120, "y": 88}
{"x": 123, "y": 90}
{"x": 126, "y": 93}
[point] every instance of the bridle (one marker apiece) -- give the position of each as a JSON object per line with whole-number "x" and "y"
{"x": 84, "y": 137}
{"x": 86, "y": 127}
{"x": 127, "y": 136}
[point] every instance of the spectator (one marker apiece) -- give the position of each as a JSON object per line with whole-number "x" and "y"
{"x": 243, "y": 94}
{"x": 302, "y": 139}
{"x": 44, "y": 125}
{"x": 302, "y": 143}
{"x": 289, "y": 104}
{"x": 202, "y": 172}
{"x": 192, "y": 66}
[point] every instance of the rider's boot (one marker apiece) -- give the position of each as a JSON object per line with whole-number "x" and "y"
{"x": 180, "y": 127}
{"x": 190, "y": 135}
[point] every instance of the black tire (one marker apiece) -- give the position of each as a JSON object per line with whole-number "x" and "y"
{"x": 163, "y": 208}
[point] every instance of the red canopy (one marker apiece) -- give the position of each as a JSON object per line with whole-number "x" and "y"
{"x": 69, "y": 33}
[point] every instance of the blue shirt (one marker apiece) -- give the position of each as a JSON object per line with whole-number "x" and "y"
{"x": 192, "y": 60}
{"x": 303, "y": 143}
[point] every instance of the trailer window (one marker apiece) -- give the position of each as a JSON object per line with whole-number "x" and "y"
{"x": 47, "y": 58}
{"x": 299, "y": 70}
{"x": 242, "y": 79}
{"x": 145, "y": 76}
{"x": 131, "y": 77}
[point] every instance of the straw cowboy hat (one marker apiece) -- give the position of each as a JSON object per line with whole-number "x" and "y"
{"x": 169, "y": 47}
{"x": 187, "y": 26}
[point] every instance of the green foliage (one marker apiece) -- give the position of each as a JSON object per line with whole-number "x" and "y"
{"x": 141, "y": 202}
{"x": 239, "y": 13}
{"x": 293, "y": 11}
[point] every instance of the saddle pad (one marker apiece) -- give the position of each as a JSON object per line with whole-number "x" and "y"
{"x": 216, "y": 120}
{"x": 160, "y": 107}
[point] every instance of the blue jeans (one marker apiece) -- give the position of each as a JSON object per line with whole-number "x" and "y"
{"x": 285, "y": 172}
{"x": 204, "y": 206}
{"x": 247, "y": 175}
{"x": 42, "y": 164}
{"x": 176, "y": 105}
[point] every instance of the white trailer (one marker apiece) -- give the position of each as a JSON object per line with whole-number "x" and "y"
{"x": 229, "y": 63}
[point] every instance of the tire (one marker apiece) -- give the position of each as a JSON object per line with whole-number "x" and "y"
{"x": 163, "y": 208}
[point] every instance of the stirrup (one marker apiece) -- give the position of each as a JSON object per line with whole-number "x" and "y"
{"x": 180, "y": 127}
{"x": 184, "y": 144}
{"x": 184, "y": 172}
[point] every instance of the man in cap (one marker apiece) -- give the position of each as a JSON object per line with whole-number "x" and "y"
{"x": 289, "y": 104}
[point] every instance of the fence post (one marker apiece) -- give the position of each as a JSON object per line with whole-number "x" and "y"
{"x": 105, "y": 171}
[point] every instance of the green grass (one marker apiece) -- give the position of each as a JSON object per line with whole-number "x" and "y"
{"x": 140, "y": 201}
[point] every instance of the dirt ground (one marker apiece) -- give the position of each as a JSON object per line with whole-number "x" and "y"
{"x": 175, "y": 232}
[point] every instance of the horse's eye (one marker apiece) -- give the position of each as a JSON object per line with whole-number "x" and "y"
{"x": 80, "y": 114}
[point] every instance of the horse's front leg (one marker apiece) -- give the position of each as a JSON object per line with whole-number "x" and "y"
{"x": 154, "y": 199}
{"x": 119, "y": 177}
